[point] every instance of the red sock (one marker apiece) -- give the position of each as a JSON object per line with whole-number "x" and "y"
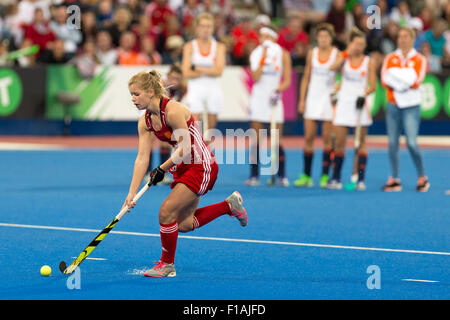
{"x": 169, "y": 236}
{"x": 207, "y": 214}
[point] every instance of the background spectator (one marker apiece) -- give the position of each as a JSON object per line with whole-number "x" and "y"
{"x": 106, "y": 54}
{"x": 245, "y": 39}
{"x": 71, "y": 37}
{"x": 292, "y": 33}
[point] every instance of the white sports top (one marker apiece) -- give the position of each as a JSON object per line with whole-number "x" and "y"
{"x": 272, "y": 70}
{"x": 322, "y": 78}
{"x": 354, "y": 79}
{"x": 207, "y": 59}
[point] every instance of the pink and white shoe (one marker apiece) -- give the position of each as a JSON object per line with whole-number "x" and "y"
{"x": 237, "y": 209}
{"x": 161, "y": 269}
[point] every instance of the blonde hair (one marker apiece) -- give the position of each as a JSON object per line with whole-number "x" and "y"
{"x": 411, "y": 31}
{"x": 149, "y": 81}
{"x": 204, "y": 16}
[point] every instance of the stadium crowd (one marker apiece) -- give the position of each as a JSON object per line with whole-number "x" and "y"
{"x": 152, "y": 32}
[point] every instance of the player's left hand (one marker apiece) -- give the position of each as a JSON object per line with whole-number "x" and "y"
{"x": 156, "y": 176}
{"x": 274, "y": 98}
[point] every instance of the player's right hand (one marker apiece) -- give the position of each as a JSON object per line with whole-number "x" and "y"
{"x": 129, "y": 203}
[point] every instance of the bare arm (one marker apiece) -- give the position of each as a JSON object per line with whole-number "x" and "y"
{"x": 141, "y": 162}
{"x": 372, "y": 78}
{"x": 305, "y": 83}
{"x": 287, "y": 70}
{"x": 217, "y": 69}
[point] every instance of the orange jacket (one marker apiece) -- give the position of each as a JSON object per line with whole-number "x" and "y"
{"x": 413, "y": 60}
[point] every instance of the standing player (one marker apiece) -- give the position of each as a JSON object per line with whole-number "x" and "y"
{"x": 315, "y": 102}
{"x": 193, "y": 166}
{"x": 270, "y": 68}
{"x": 358, "y": 81}
{"x": 202, "y": 64}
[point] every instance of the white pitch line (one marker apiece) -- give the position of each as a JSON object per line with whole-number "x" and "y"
{"x": 418, "y": 280}
{"x": 316, "y": 245}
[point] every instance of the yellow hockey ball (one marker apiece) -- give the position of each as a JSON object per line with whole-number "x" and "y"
{"x": 46, "y": 271}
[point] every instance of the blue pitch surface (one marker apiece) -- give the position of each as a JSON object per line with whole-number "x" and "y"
{"x": 294, "y": 232}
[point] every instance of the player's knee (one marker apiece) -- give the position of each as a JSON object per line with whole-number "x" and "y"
{"x": 166, "y": 212}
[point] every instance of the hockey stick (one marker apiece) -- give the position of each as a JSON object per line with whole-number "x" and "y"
{"x": 274, "y": 138}
{"x": 94, "y": 243}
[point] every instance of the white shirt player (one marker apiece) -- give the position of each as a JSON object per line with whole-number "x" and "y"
{"x": 204, "y": 90}
{"x": 265, "y": 87}
{"x": 353, "y": 85}
{"x": 321, "y": 84}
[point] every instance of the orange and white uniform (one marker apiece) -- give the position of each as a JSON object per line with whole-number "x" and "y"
{"x": 321, "y": 85}
{"x": 353, "y": 85}
{"x": 265, "y": 87}
{"x": 403, "y": 77}
{"x": 204, "y": 91}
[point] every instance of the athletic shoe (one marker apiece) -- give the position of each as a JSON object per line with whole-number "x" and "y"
{"x": 283, "y": 182}
{"x": 161, "y": 269}
{"x": 304, "y": 181}
{"x": 360, "y": 186}
{"x": 422, "y": 184}
{"x": 237, "y": 209}
{"x": 392, "y": 185}
{"x": 334, "y": 184}
{"x": 354, "y": 178}
{"x": 324, "y": 180}
{"x": 252, "y": 182}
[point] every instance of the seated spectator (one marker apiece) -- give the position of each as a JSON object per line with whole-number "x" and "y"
{"x": 401, "y": 14}
{"x": 88, "y": 26}
{"x": 434, "y": 62}
{"x": 426, "y": 15}
{"x": 71, "y": 36}
{"x": 187, "y": 13}
{"x": 105, "y": 13}
{"x": 172, "y": 29}
{"x": 337, "y": 16}
{"x": 26, "y": 10}
{"x": 149, "y": 51}
{"x": 13, "y": 24}
{"x": 298, "y": 56}
{"x": 121, "y": 23}
{"x": 292, "y": 33}
{"x": 210, "y": 6}
{"x": 174, "y": 50}
{"x": 28, "y": 60}
{"x": 159, "y": 12}
{"x": 144, "y": 28}
{"x": 87, "y": 61}
{"x": 135, "y": 9}
{"x": 39, "y": 31}
{"x": 125, "y": 53}
{"x": 435, "y": 37}
{"x": 389, "y": 39}
{"x": 245, "y": 39}
{"x": 55, "y": 54}
{"x": 106, "y": 54}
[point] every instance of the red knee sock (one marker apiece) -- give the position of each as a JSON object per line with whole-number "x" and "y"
{"x": 169, "y": 237}
{"x": 207, "y": 214}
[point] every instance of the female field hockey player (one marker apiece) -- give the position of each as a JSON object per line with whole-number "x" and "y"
{"x": 202, "y": 64}
{"x": 270, "y": 67}
{"x": 192, "y": 164}
{"x": 315, "y": 102}
{"x": 358, "y": 81}
{"x": 176, "y": 90}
